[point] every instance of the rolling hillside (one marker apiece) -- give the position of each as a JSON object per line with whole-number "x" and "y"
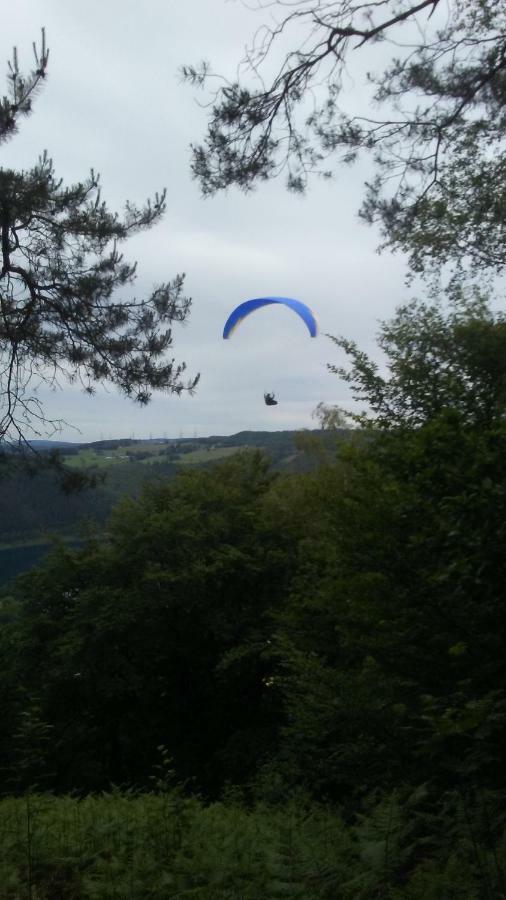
{"x": 33, "y": 506}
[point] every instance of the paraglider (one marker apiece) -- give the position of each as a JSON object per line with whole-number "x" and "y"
{"x": 249, "y": 306}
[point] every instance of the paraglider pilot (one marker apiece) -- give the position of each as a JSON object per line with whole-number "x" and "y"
{"x": 269, "y": 400}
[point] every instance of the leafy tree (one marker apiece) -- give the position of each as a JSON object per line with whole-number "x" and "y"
{"x": 157, "y": 635}
{"x": 438, "y": 146}
{"x": 390, "y": 646}
{"x": 66, "y": 309}
{"x": 440, "y": 358}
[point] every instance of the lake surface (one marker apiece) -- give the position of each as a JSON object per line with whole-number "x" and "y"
{"x": 16, "y": 560}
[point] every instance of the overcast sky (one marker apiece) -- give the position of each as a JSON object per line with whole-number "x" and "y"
{"x": 113, "y": 100}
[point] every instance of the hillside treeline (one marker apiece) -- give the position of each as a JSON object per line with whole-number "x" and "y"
{"x": 336, "y": 635}
{"x": 33, "y": 503}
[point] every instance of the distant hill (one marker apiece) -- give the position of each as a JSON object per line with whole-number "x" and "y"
{"x": 51, "y": 445}
{"x": 31, "y": 507}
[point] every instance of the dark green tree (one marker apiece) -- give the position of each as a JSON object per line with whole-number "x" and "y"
{"x": 157, "y": 636}
{"x": 434, "y": 123}
{"x": 22, "y": 89}
{"x": 66, "y": 307}
{"x": 390, "y": 645}
{"x": 440, "y": 358}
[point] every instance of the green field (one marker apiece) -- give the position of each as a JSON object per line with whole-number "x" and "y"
{"x": 147, "y": 454}
{"x": 89, "y": 457}
{"x": 197, "y": 457}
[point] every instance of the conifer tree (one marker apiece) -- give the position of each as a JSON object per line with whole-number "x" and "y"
{"x": 429, "y": 110}
{"x": 66, "y": 308}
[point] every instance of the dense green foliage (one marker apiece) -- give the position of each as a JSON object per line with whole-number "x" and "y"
{"x": 338, "y": 632}
{"x": 122, "y": 845}
{"x": 122, "y": 640}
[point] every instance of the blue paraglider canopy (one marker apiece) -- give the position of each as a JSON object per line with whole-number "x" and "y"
{"x": 249, "y": 306}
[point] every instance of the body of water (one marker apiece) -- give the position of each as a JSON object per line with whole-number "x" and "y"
{"x": 16, "y": 560}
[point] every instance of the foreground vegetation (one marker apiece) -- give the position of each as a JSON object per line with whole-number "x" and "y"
{"x": 128, "y": 846}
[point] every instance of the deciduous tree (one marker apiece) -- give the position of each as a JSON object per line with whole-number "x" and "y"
{"x": 155, "y": 635}
{"x": 390, "y": 646}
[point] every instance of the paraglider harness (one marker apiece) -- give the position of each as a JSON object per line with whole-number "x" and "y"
{"x": 269, "y": 399}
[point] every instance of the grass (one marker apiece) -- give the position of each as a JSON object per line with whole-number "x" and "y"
{"x": 196, "y": 457}
{"x": 151, "y": 453}
{"x": 88, "y": 458}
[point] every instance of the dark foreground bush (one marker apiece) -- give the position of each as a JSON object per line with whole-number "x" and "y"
{"x": 127, "y": 846}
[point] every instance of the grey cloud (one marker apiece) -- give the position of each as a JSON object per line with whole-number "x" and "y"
{"x": 113, "y": 101}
